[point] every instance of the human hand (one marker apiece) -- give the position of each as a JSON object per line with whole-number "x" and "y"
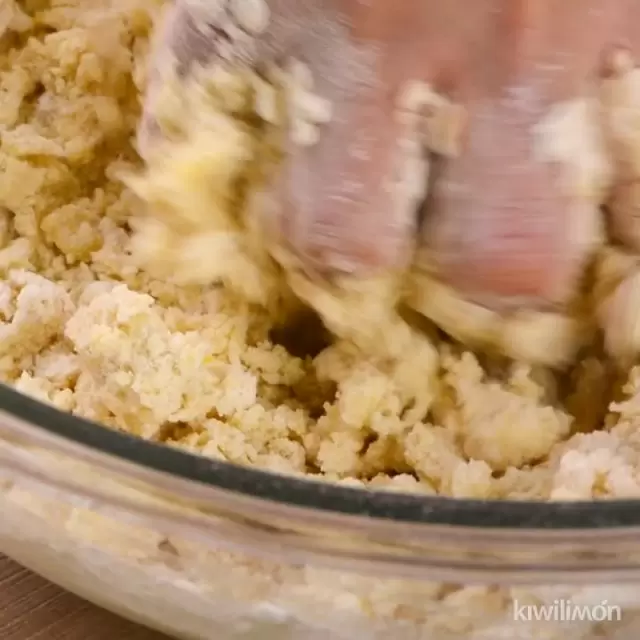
{"x": 513, "y": 215}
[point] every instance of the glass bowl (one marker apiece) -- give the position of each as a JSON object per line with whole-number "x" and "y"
{"x": 203, "y": 550}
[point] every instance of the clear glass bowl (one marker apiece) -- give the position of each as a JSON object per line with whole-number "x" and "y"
{"x": 205, "y": 550}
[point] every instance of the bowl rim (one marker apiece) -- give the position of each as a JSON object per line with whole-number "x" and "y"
{"x": 331, "y": 498}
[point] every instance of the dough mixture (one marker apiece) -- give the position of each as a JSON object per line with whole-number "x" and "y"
{"x": 92, "y": 327}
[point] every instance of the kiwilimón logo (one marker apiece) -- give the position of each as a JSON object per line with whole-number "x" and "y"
{"x": 566, "y": 611}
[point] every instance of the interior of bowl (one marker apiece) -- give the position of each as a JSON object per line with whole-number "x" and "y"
{"x": 401, "y": 508}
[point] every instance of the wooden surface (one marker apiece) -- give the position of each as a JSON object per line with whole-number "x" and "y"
{"x": 33, "y": 609}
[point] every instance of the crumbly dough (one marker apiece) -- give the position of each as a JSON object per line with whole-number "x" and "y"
{"x": 197, "y": 365}
{"x": 201, "y": 367}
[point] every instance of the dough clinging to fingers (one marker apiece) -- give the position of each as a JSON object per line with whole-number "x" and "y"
{"x": 350, "y": 115}
{"x": 337, "y": 205}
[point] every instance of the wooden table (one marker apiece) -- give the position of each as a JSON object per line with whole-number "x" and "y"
{"x": 33, "y": 609}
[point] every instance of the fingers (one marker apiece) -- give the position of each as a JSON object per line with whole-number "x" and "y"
{"x": 339, "y": 211}
{"x": 513, "y": 220}
{"x": 343, "y": 209}
{"x": 510, "y": 236}
{"x": 338, "y": 205}
{"x": 507, "y": 228}
{"x": 351, "y": 200}
{"x": 503, "y": 218}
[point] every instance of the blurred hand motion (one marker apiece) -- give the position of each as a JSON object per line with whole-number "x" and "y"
{"x": 524, "y": 112}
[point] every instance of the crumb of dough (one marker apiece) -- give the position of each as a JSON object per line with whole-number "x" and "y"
{"x": 484, "y": 413}
{"x": 194, "y": 365}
